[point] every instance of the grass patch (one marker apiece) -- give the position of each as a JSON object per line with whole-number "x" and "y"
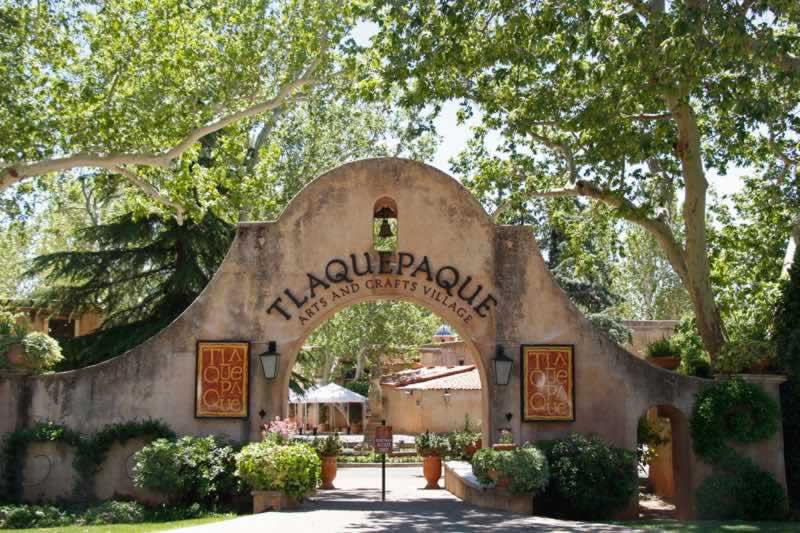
{"x": 131, "y": 528}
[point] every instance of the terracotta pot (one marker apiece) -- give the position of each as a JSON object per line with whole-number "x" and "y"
{"x": 499, "y": 482}
{"x": 504, "y": 447}
{"x": 760, "y": 366}
{"x": 470, "y": 450}
{"x": 322, "y": 428}
{"x": 667, "y": 363}
{"x": 15, "y": 355}
{"x": 328, "y": 471}
{"x": 356, "y": 428}
{"x": 432, "y": 468}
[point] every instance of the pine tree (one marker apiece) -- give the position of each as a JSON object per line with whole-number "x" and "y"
{"x": 141, "y": 274}
{"x": 787, "y": 341}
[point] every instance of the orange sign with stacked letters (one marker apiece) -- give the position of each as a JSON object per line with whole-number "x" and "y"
{"x": 222, "y": 379}
{"x": 548, "y": 387}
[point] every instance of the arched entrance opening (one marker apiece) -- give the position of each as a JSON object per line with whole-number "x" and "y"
{"x": 426, "y": 385}
{"x": 664, "y": 446}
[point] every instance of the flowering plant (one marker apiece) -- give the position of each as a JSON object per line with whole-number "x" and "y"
{"x": 506, "y": 437}
{"x": 277, "y": 431}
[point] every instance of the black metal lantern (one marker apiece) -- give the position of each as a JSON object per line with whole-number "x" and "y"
{"x": 269, "y": 361}
{"x": 502, "y": 367}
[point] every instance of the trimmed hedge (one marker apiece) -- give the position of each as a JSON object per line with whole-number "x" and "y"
{"x": 734, "y": 410}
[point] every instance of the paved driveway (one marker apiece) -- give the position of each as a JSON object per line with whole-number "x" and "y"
{"x": 356, "y": 507}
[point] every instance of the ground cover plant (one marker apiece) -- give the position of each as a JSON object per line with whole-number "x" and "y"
{"x": 64, "y": 515}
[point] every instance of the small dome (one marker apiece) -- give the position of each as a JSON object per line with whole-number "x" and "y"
{"x": 443, "y": 331}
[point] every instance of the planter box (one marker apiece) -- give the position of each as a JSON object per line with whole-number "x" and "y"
{"x": 504, "y": 447}
{"x": 459, "y": 481}
{"x": 264, "y": 500}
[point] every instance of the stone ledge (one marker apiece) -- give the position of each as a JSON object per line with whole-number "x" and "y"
{"x": 459, "y": 481}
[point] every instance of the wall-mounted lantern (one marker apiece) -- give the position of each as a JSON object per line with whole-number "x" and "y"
{"x": 269, "y": 360}
{"x": 502, "y": 367}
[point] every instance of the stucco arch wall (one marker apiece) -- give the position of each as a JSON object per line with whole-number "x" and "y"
{"x": 332, "y": 218}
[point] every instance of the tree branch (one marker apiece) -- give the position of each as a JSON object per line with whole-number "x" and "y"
{"x": 630, "y": 212}
{"x": 152, "y": 192}
{"x": 649, "y": 116}
{"x": 16, "y": 172}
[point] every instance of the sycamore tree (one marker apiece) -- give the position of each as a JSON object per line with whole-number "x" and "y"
{"x": 135, "y": 88}
{"x": 361, "y": 335}
{"x": 626, "y": 103}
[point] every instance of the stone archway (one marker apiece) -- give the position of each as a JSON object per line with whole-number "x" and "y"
{"x": 282, "y": 382}
{"x": 270, "y": 287}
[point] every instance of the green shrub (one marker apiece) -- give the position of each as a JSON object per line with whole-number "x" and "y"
{"x": 662, "y": 348}
{"x": 109, "y": 512}
{"x": 483, "y": 462}
{"x": 695, "y": 361}
{"x": 328, "y": 446}
{"x": 731, "y": 410}
{"x": 32, "y": 516}
{"x": 191, "y": 469}
{"x": 742, "y": 493}
{"x": 787, "y": 342}
{"x": 589, "y": 479}
{"x": 115, "y": 512}
{"x": 432, "y": 444}
{"x": 741, "y": 412}
{"x": 375, "y": 457}
{"x": 738, "y": 356}
{"x": 293, "y": 469}
{"x": 526, "y": 468}
{"x": 360, "y": 387}
{"x": 41, "y": 351}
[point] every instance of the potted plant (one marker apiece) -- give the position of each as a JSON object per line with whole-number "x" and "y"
{"x": 328, "y": 449}
{"x": 431, "y": 447}
{"x": 663, "y": 354}
{"x": 12, "y": 330}
{"x": 506, "y": 441}
{"x": 280, "y": 476}
{"x": 746, "y": 356}
{"x": 464, "y": 444}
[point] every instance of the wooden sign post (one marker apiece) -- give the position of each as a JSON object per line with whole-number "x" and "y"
{"x": 384, "y": 442}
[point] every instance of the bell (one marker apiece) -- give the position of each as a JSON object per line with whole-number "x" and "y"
{"x": 386, "y": 230}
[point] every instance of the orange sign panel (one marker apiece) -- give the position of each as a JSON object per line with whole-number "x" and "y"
{"x": 222, "y": 379}
{"x": 548, "y": 387}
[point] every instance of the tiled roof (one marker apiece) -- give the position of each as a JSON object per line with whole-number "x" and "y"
{"x": 469, "y": 380}
{"x": 426, "y": 373}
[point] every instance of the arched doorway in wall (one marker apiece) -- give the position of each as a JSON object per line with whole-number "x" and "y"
{"x": 409, "y": 365}
{"x": 663, "y": 443}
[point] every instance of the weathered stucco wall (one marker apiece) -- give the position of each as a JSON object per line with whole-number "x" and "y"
{"x": 429, "y": 410}
{"x": 332, "y": 218}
